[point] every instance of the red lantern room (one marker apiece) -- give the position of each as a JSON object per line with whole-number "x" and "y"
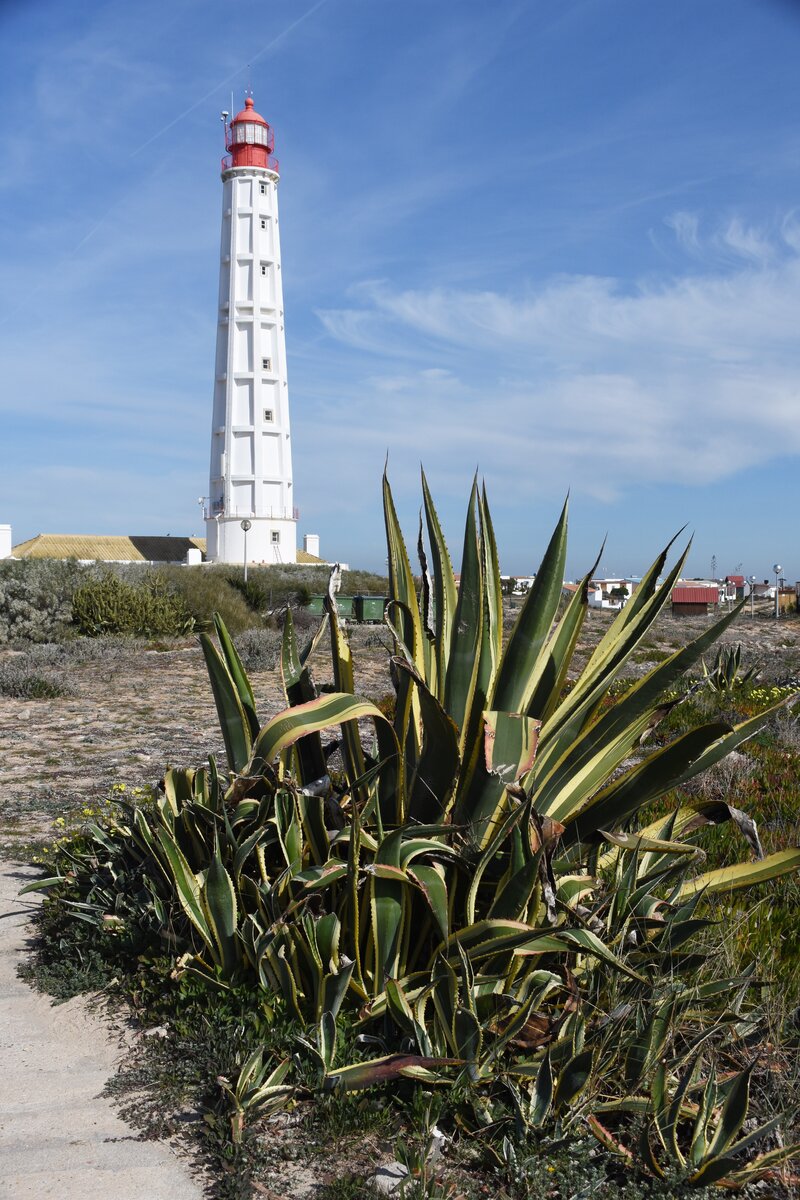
{"x": 250, "y": 141}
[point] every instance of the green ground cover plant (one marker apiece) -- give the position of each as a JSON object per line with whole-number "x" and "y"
{"x": 495, "y": 892}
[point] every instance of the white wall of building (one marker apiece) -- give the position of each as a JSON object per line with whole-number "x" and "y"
{"x": 5, "y": 541}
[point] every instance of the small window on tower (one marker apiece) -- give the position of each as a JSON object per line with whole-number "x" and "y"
{"x": 268, "y": 414}
{"x": 266, "y": 364}
{"x": 263, "y": 189}
{"x": 263, "y": 222}
{"x": 263, "y": 268}
{"x": 276, "y": 537}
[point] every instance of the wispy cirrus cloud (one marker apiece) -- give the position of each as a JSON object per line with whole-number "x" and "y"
{"x": 678, "y": 380}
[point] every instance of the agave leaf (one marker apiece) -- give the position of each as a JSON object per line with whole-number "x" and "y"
{"x": 572, "y": 764}
{"x": 550, "y": 673}
{"x": 759, "y": 1167}
{"x": 698, "y": 813}
{"x": 647, "y": 1156}
{"x": 290, "y": 832}
{"x": 219, "y": 902}
{"x": 516, "y": 679}
{"x": 237, "y": 673}
{"x": 498, "y": 838}
{"x": 335, "y": 985}
{"x": 178, "y": 790}
{"x": 434, "y": 888}
{"x": 468, "y": 1036}
{"x": 233, "y": 720}
{"x": 382, "y": 1070}
{"x": 578, "y": 708}
{"x": 433, "y": 776}
{"x": 573, "y": 1079}
{"x": 711, "y": 1171}
{"x": 606, "y": 1138}
{"x": 542, "y": 1091}
{"x": 483, "y": 931}
{"x": 638, "y": 841}
{"x": 389, "y": 908}
{"x": 287, "y": 984}
{"x": 312, "y": 815}
{"x": 708, "y": 1101}
{"x": 343, "y": 680}
{"x": 332, "y": 708}
{"x": 638, "y": 786}
{"x": 501, "y": 755}
{"x": 590, "y": 943}
{"x": 464, "y": 657}
{"x": 399, "y": 1007}
{"x": 512, "y": 900}
{"x": 430, "y": 661}
{"x": 39, "y": 885}
{"x": 187, "y": 885}
{"x": 493, "y": 593}
{"x": 299, "y": 689}
{"x": 728, "y": 879}
{"x": 445, "y": 594}
{"x": 510, "y": 744}
{"x": 739, "y": 734}
{"x": 630, "y": 624}
{"x": 401, "y": 581}
{"x": 758, "y": 1135}
{"x": 733, "y": 1114}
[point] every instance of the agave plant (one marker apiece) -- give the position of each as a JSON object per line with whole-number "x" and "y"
{"x": 726, "y": 673}
{"x": 476, "y": 882}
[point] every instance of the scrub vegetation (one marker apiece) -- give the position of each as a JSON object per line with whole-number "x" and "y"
{"x": 529, "y": 909}
{"x": 43, "y": 600}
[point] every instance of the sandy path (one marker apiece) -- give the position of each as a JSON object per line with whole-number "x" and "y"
{"x": 58, "y": 1138}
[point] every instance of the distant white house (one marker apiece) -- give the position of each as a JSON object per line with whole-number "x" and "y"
{"x": 610, "y": 593}
{"x": 522, "y": 584}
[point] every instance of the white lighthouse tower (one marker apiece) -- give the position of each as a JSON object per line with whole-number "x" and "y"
{"x": 250, "y": 514}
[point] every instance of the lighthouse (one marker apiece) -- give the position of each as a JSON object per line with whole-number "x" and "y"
{"x": 250, "y": 514}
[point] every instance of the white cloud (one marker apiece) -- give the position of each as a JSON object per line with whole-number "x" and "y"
{"x": 686, "y": 380}
{"x": 748, "y": 242}
{"x": 686, "y": 227}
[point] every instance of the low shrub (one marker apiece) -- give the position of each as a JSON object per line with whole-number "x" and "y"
{"x": 259, "y": 649}
{"x": 20, "y": 681}
{"x": 35, "y": 599}
{"x": 206, "y": 590}
{"x": 150, "y": 607}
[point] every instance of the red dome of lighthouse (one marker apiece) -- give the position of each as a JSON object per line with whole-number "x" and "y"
{"x": 248, "y": 113}
{"x": 250, "y": 140}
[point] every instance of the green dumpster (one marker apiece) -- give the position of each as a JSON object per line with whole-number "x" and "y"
{"x": 315, "y": 606}
{"x": 345, "y": 607}
{"x": 369, "y": 609}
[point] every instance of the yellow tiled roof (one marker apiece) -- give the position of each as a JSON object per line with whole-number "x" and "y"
{"x": 310, "y": 560}
{"x": 107, "y": 547}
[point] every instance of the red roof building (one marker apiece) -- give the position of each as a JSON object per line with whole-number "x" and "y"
{"x": 695, "y": 595}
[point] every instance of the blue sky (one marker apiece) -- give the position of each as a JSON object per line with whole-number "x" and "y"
{"x": 559, "y": 243}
